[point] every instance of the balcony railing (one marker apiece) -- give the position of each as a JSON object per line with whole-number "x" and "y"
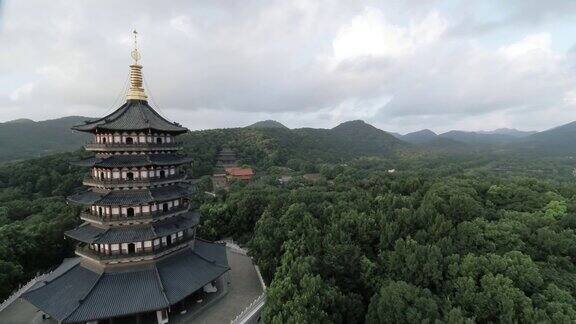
{"x": 131, "y": 147}
{"x": 137, "y": 216}
{"x": 177, "y": 244}
{"x": 137, "y": 182}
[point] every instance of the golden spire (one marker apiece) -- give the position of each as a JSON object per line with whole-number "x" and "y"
{"x": 136, "y": 91}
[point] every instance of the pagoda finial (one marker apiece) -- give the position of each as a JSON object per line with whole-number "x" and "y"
{"x": 136, "y": 91}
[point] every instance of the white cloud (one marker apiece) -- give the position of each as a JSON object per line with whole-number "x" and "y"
{"x": 371, "y": 34}
{"x": 22, "y": 92}
{"x": 306, "y": 62}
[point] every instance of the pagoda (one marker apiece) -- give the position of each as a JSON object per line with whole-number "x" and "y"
{"x": 138, "y": 257}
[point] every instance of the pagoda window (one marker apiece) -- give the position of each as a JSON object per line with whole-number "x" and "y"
{"x": 131, "y": 248}
{"x": 130, "y": 176}
{"x": 147, "y": 245}
{"x": 129, "y": 140}
{"x": 130, "y": 212}
{"x": 165, "y": 207}
{"x": 168, "y": 139}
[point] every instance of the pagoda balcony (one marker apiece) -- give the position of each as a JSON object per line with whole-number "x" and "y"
{"x": 134, "y": 147}
{"x": 120, "y": 219}
{"x": 120, "y": 256}
{"x": 130, "y": 183}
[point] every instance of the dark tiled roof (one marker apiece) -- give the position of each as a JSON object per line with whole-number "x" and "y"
{"x": 121, "y": 293}
{"x": 132, "y": 197}
{"x": 133, "y": 115}
{"x": 79, "y": 294}
{"x": 85, "y": 198}
{"x": 124, "y": 234}
{"x": 177, "y": 278}
{"x": 61, "y": 296}
{"x": 134, "y": 160}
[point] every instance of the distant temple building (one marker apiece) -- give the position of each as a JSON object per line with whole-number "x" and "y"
{"x": 241, "y": 174}
{"x": 139, "y": 258}
{"x": 226, "y": 170}
{"x": 226, "y": 159}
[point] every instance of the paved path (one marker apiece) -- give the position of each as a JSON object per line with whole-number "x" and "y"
{"x": 245, "y": 288}
{"x": 22, "y": 312}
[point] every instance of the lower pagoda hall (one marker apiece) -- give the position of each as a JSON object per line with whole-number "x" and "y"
{"x": 137, "y": 258}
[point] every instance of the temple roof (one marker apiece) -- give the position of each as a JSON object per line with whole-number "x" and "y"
{"x": 73, "y": 293}
{"x": 134, "y": 115}
{"x": 123, "y": 234}
{"x": 131, "y": 197}
{"x": 134, "y": 160}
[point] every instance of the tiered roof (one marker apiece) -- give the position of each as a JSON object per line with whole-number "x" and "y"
{"x": 75, "y": 293}
{"x": 84, "y": 289}
{"x": 89, "y": 233}
{"x": 134, "y": 160}
{"x": 131, "y": 197}
{"x": 134, "y": 115}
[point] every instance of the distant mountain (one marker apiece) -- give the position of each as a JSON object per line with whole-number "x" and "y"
{"x": 558, "y": 140}
{"x": 397, "y": 135}
{"x": 25, "y": 138}
{"x": 266, "y": 146}
{"x": 20, "y": 121}
{"x": 268, "y": 124}
{"x": 478, "y": 138}
{"x": 508, "y": 131}
{"x": 419, "y": 137}
{"x": 364, "y": 137}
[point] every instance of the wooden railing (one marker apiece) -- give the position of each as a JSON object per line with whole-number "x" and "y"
{"x": 254, "y": 309}
{"x": 136, "y": 216}
{"x": 115, "y": 146}
{"x": 91, "y": 181}
{"x": 175, "y": 245}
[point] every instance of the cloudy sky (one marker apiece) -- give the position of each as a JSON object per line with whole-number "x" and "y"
{"x": 400, "y": 65}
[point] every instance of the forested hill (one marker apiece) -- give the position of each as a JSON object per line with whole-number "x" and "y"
{"x": 440, "y": 240}
{"x": 558, "y": 140}
{"x": 24, "y": 138}
{"x": 297, "y": 148}
{"x": 267, "y": 124}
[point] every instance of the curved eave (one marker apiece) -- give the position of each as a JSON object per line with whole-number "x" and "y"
{"x": 134, "y": 115}
{"x": 86, "y": 162}
{"x": 120, "y": 161}
{"x": 88, "y": 233}
{"x": 132, "y": 197}
{"x": 100, "y": 129}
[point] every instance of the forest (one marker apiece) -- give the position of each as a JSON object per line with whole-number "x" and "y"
{"x": 440, "y": 239}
